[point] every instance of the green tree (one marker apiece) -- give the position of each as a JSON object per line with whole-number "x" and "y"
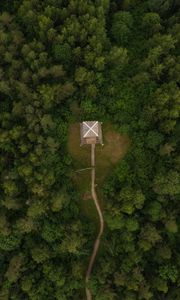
{"x": 122, "y": 27}
{"x": 14, "y": 270}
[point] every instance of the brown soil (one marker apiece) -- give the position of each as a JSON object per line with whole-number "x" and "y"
{"x": 86, "y": 196}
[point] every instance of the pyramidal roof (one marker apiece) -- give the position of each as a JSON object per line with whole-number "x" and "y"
{"x": 90, "y": 129}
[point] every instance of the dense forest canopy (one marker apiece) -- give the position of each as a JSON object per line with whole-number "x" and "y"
{"x": 119, "y": 61}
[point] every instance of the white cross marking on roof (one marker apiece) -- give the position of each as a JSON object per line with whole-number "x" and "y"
{"x": 90, "y": 129}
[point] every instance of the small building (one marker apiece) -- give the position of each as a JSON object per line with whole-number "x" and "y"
{"x": 91, "y": 132}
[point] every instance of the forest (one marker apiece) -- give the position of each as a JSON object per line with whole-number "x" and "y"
{"x": 119, "y": 61}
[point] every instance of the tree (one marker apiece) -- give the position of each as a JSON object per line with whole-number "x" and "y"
{"x": 59, "y": 200}
{"x": 149, "y": 236}
{"x": 14, "y": 270}
{"x": 122, "y": 27}
{"x": 62, "y": 53}
{"x": 152, "y": 23}
{"x": 167, "y": 185}
{"x": 40, "y": 254}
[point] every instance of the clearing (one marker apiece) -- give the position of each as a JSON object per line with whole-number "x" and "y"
{"x": 114, "y": 149}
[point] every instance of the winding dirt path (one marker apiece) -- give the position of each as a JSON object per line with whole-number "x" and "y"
{"x": 101, "y": 220}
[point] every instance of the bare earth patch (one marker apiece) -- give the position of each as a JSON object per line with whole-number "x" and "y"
{"x": 87, "y": 196}
{"x": 115, "y": 147}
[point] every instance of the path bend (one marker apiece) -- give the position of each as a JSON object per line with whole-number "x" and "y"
{"x": 101, "y": 220}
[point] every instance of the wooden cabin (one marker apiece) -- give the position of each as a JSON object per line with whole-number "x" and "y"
{"x": 91, "y": 132}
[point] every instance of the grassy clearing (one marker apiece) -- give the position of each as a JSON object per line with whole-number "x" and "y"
{"x": 114, "y": 149}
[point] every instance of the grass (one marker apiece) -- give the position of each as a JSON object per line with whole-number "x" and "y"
{"x": 114, "y": 149}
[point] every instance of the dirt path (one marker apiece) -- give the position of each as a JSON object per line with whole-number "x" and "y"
{"x": 101, "y": 219}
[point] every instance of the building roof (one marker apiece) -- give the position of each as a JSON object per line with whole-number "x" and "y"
{"x": 91, "y": 133}
{"x": 90, "y": 129}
